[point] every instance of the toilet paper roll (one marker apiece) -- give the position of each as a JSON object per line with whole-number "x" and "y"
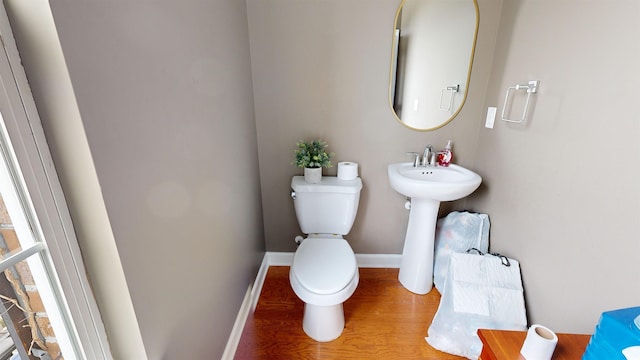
{"x": 539, "y": 343}
{"x": 347, "y": 170}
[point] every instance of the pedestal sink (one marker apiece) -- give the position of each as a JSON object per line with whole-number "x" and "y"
{"x": 427, "y": 187}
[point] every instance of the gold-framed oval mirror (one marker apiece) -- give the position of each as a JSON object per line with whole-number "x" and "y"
{"x": 433, "y": 46}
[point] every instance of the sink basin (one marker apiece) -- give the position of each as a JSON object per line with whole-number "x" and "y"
{"x": 436, "y": 183}
{"x": 427, "y": 187}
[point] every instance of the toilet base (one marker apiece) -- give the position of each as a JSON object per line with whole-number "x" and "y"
{"x": 323, "y": 323}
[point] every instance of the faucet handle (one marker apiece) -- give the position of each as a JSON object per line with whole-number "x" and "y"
{"x": 416, "y": 159}
{"x": 433, "y": 159}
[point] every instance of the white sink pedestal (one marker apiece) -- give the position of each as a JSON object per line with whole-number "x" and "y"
{"x": 416, "y": 265}
{"x": 427, "y": 187}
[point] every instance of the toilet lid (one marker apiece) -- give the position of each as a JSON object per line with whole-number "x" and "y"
{"x": 324, "y": 266}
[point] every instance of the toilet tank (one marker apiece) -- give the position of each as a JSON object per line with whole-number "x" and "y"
{"x": 327, "y": 207}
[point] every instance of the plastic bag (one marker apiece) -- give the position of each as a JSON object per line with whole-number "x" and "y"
{"x": 480, "y": 291}
{"x": 458, "y": 232}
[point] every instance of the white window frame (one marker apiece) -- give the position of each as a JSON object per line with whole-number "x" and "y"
{"x": 41, "y": 182}
{"x": 33, "y": 247}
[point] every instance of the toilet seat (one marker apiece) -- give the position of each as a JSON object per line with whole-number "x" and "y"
{"x": 324, "y": 266}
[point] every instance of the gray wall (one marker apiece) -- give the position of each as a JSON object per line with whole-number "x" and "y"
{"x": 563, "y": 191}
{"x": 325, "y": 73}
{"x": 165, "y": 98}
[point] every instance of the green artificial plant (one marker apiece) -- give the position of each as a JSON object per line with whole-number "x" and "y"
{"x": 312, "y": 154}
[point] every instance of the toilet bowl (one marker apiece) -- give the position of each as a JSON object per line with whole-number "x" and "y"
{"x": 324, "y": 274}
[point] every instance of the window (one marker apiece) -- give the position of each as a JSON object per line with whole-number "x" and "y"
{"x": 43, "y": 286}
{"x": 32, "y": 314}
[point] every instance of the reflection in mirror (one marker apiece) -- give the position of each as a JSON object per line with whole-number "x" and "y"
{"x": 433, "y": 46}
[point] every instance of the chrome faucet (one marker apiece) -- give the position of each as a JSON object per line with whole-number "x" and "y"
{"x": 416, "y": 158}
{"x": 427, "y": 155}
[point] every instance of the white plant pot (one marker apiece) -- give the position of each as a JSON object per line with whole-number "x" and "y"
{"x": 313, "y": 175}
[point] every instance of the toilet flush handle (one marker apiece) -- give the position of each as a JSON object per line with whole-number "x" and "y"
{"x": 293, "y": 194}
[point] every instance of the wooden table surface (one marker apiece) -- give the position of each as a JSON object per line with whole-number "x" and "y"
{"x": 506, "y": 345}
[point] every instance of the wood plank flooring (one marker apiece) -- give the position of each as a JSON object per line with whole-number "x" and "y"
{"x": 383, "y": 321}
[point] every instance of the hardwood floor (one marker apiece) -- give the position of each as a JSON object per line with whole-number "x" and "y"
{"x": 383, "y": 321}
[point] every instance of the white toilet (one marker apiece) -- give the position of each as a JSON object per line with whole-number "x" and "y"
{"x": 324, "y": 272}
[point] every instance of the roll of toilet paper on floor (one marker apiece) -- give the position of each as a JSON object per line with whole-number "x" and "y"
{"x": 539, "y": 343}
{"x": 347, "y": 170}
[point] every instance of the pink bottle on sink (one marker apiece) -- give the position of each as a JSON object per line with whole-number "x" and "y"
{"x": 446, "y": 156}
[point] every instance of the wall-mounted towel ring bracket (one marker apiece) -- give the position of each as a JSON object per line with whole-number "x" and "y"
{"x": 532, "y": 88}
{"x": 451, "y": 90}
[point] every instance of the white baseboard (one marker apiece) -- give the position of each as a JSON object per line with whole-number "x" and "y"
{"x": 391, "y": 261}
{"x": 236, "y": 332}
{"x": 259, "y": 281}
{"x": 364, "y": 260}
{"x": 252, "y": 295}
{"x": 278, "y": 258}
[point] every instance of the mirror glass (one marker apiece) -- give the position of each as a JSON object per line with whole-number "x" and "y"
{"x": 433, "y": 46}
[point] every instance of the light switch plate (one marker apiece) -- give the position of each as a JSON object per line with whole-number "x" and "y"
{"x": 491, "y": 117}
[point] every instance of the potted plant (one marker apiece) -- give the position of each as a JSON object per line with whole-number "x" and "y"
{"x": 312, "y": 156}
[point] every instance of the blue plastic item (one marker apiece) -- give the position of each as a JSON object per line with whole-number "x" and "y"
{"x": 616, "y": 331}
